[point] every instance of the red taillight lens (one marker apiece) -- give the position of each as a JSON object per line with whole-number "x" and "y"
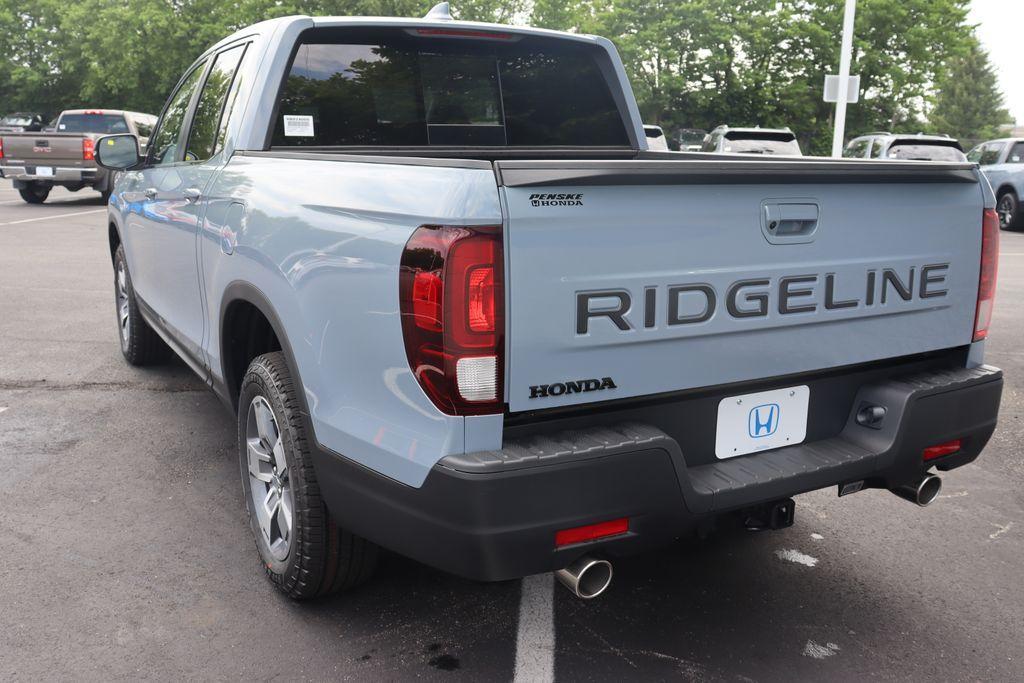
{"x": 427, "y": 302}
{"x": 88, "y": 150}
{"x": 1, "y": 148}
{"x": 591, "y": 532}
{"x": 948, "y": 448}
{"x": 480, "y": 296}
{"x": 989, "y": 271}
{"x": 452, "y": 303}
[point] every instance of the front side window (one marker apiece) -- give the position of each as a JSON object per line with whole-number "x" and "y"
{"x": 857, "y": 149}
{"x": 204, "y": 139}
{"x": 106, "y": 124}
{"x": 390, "y": 88}
{"x": 164, "y": 145}
{"x": 990, "y": 153}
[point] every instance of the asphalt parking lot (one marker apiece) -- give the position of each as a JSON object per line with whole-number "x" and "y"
{"x": 126, "y": 553}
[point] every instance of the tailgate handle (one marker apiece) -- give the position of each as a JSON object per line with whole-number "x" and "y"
{"x": 789, "y": 222}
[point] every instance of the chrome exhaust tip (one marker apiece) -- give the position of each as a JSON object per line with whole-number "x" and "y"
{"x": 587, "y": 577}
{"x": 923, "y": 493}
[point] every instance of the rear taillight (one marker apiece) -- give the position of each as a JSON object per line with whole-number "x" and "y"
{"x": 1, "y": 148}
{"x": 453, "y": 316}
{"x": 989, "y": 269}
{"x": 88, "y": 150}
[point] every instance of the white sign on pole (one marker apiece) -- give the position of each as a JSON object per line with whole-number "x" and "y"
{"x": 832, "y": 89}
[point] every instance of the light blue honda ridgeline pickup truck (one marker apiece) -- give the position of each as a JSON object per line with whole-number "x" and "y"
{"x": 463, "y": 313}
{"x": 1003, "y": 164}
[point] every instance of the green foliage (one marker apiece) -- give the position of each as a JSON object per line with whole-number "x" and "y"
{"x": 968, "y": 104}
{"x": 692, "y": 63}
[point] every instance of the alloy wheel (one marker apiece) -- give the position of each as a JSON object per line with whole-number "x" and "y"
{"x": 1005, "y": 211}
{"x": 122, "y": 303}
{"x": 269, "y": 483}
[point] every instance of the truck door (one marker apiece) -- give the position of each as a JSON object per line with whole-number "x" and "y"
{"x": 175, "y": 195}
{"x": 159, "y": 242}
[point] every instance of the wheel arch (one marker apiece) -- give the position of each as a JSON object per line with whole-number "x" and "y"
{"x": 246, "y": 309}
{"x": 114, "y": 238}
{"x": 1006, "y": 188}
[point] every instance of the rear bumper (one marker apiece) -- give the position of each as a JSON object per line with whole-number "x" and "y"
{"x": 493, "y": 515}
{"x": 61, "y": 175}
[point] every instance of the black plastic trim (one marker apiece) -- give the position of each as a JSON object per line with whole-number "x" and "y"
{"x": 685, "y": 170}
{"x": 173, "y": 338}
{"x": 500, "y": 524}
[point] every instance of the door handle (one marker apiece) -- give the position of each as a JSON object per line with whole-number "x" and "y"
{"x": 790, "y": 222}
{"x": 192, "y": 195}
{"x": 150, "y": 192}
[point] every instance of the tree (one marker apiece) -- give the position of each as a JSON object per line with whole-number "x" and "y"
{"x": 691, "y": 63}
{"x": 969, "y": 104}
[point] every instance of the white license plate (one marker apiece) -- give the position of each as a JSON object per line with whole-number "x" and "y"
{"x": 761, "y": 421}
{"x": 44, "y": 171}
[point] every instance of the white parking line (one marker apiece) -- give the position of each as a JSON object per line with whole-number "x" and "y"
{"x": 59, "y": 215}
{"x": 535, "y": 640}
{"x": 3, "y": 408}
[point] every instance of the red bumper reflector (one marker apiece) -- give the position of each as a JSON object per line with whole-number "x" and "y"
{"x": 591, "y": 532}
{"x": 948, "y": 448}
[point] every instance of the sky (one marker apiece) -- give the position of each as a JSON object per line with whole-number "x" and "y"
{"x": 1000, "y": 25}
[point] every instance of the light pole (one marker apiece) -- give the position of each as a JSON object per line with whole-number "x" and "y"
{"x": 844, "y": 78}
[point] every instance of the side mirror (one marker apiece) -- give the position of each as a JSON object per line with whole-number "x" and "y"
{"x": 118, "y": 152}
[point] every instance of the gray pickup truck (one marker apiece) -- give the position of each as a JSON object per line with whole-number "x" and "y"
{"x": 459, "y": 310}
{"x": 38, "y": 161}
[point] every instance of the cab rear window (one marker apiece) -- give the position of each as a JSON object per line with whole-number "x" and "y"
{"x": 92, "y": 123}
{"x": 395, "y": 88}
{"x": 925, "y": 152}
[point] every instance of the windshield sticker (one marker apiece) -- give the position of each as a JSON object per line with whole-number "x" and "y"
{"x": 298, "y": 126}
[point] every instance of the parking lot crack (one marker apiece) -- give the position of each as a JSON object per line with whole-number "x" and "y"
{"x": 89, "y": 386}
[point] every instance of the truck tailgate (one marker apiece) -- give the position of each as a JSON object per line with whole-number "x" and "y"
{"x": 52, "y": 148}
{"x": 642, "y": 277}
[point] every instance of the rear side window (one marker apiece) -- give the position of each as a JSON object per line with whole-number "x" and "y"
{"x": 204, "y": 138}
{"x": 1016, "y": 154}
{"x": 391, "y": 88}
{"x": 144, "y": 126}
{"x": 107, "y": 124}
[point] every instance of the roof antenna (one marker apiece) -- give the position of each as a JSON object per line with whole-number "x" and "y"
{"x": 439, "y": 12}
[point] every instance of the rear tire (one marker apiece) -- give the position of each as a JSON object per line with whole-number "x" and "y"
{"x": 35, "y": 193}
{"x": 1010, "y": 214}
{"x": 140, "y": 344}
{"x": 303, "y": 550}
